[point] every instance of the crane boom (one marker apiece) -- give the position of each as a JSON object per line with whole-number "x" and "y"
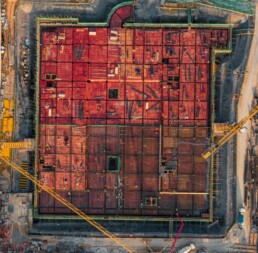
{"x": 67, "y": 204}
{"x": 234, "y": 130}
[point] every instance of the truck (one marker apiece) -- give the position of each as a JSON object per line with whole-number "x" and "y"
{"x": 241, "y": 219}
{"x": 187, "y": 249}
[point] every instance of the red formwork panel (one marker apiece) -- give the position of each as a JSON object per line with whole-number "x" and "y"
{"x": 64, "y": 71}
{"x": 96, "y": 163}
{"x": 132, "y": 163}
{"x": 78, "y": 181}
{"x": 96, "y": 90}
{"x": 63, "y": 162}
{"x": 60, "y": 207}
{"x": 164, "y": 182}
{"x": 96, "y": 201}
{"x": 120, "y": 87}
{"x": 80, "y": 71}
{"x": 170, "y": 88}
{"x": 201, "y": 110}
{"x": 116, "y": 36}
{"x": 116, "y": 54}
{"x": 49, "y": 36}
{"x": 173, "y": 182}
{"x": 187, "y": 91}
{"x": 153, "y": 36}
{"x": 133, "y": 145}
{"x": 97, "y": 109}
{"x": 171, "y": 36}
{"x": 132, "y": 182}
{"x": 203, "y": 37}
{"x": 65, "y": 53}
{"x": 152, "y": 54}
{"x": 97, "y": 71}
{"x": 187, "y": 72}
{"x": 98, "y": 36}
{"x": 46, "y": 202}
{"x": 220, "y": 37}
{"x": 124, "y": 12}
{"x": 138, "y": 36}
{"x": 111, "y": 181}
{"x": 187, "y": 54}
{"x": 185, "y": 163}
{"x": 80, "y": 36}
{"x": 150, "y": 165}
{"x": 96, "y": 181}
{"x": 48, "y": 179}
{"x": 115, "y": 109}
{"x": 152, "y": 110}
{"x": 48, "y": 68}
{"x": 134, "y": 91}
{"x": 184, "y": 183}
{"x": 63, "y": 181}
{"x": 185, "y": 204}
{"x": 152, "y": 91}
{"x": 98, "y": 53}
{"x": 200, "y": 168}
{"x": 200, "y": 202}
{"x": 171, "y": 52}
{"x": 200, "y": 183}
{"x": 80, "y": 199}
{"x": 80, "y": 53}
{"x": 132, "y": 199}
{"x": 111, "y": 201}
{"x": 134, "y": 54}
{"x": 150, "y": 182}
{"x": 151, "y": 146}
{"x": 65, "y": 35}
{"x": 134, "y": 73}
{"x": 78, "y": 160}
{"x": 153, "y": 72}
{"x": 202, "y": 72}
{"x": 187, "y": 36}
{"x": 49, "y": 53}
{"x": 79, "y": 91}
{"x": 202, "y": 54}
{"x": 167, "y": 204}
{"x": 78, "y": 147}
{"x": 202, "y": 92}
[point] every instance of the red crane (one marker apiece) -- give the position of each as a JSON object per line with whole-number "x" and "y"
{"x": 178, "y": 233}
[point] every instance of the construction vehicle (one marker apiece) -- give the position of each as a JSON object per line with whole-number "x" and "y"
{"x": 241, "y": 218}
{"x": 239, "y": 127}
{"x": 178, "y": 233}
{"x": 66, "y": 203}
{"x": 187, "y": 249}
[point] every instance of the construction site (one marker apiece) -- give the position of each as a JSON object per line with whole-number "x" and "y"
{"x": 129, "y": 129}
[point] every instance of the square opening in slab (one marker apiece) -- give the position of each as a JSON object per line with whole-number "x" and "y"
{"x": 113, "y": 93}
{"x": 113, "y": 163}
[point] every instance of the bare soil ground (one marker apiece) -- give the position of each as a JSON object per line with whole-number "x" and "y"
{"x": 244, "y": 106}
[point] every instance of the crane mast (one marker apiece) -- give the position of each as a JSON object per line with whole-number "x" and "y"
{"x": 67, "y": 204}
{"x": 234, "y": 130}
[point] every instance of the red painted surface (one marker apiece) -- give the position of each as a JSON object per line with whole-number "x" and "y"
{"x": 162, "y": 78}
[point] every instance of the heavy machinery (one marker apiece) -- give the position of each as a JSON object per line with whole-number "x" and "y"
{"x": 233, "y": 131}
{"x": 66, "y": 203}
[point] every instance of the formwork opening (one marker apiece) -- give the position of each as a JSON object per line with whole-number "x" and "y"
{"x": 124, "y": 116}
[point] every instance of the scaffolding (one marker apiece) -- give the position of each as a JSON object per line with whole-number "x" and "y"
{"x": 123, "y": 114}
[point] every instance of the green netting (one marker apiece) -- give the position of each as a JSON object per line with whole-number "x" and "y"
{"x": 243, "y": 6}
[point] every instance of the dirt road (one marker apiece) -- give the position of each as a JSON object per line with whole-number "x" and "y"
{"x": 244, "y": 106}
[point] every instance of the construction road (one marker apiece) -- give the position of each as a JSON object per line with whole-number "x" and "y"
{"x": 244, "y": 106}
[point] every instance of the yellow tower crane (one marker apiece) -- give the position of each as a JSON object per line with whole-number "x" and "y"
{"x": 233, "y": 131}
{"x": 66, "y": 203}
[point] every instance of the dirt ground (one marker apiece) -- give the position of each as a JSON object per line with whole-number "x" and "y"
{"x": 244, "y": 106}
{"x": 10, "y": 11}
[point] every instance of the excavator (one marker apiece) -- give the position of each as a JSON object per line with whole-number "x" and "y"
{"x": 236, "y": 128}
